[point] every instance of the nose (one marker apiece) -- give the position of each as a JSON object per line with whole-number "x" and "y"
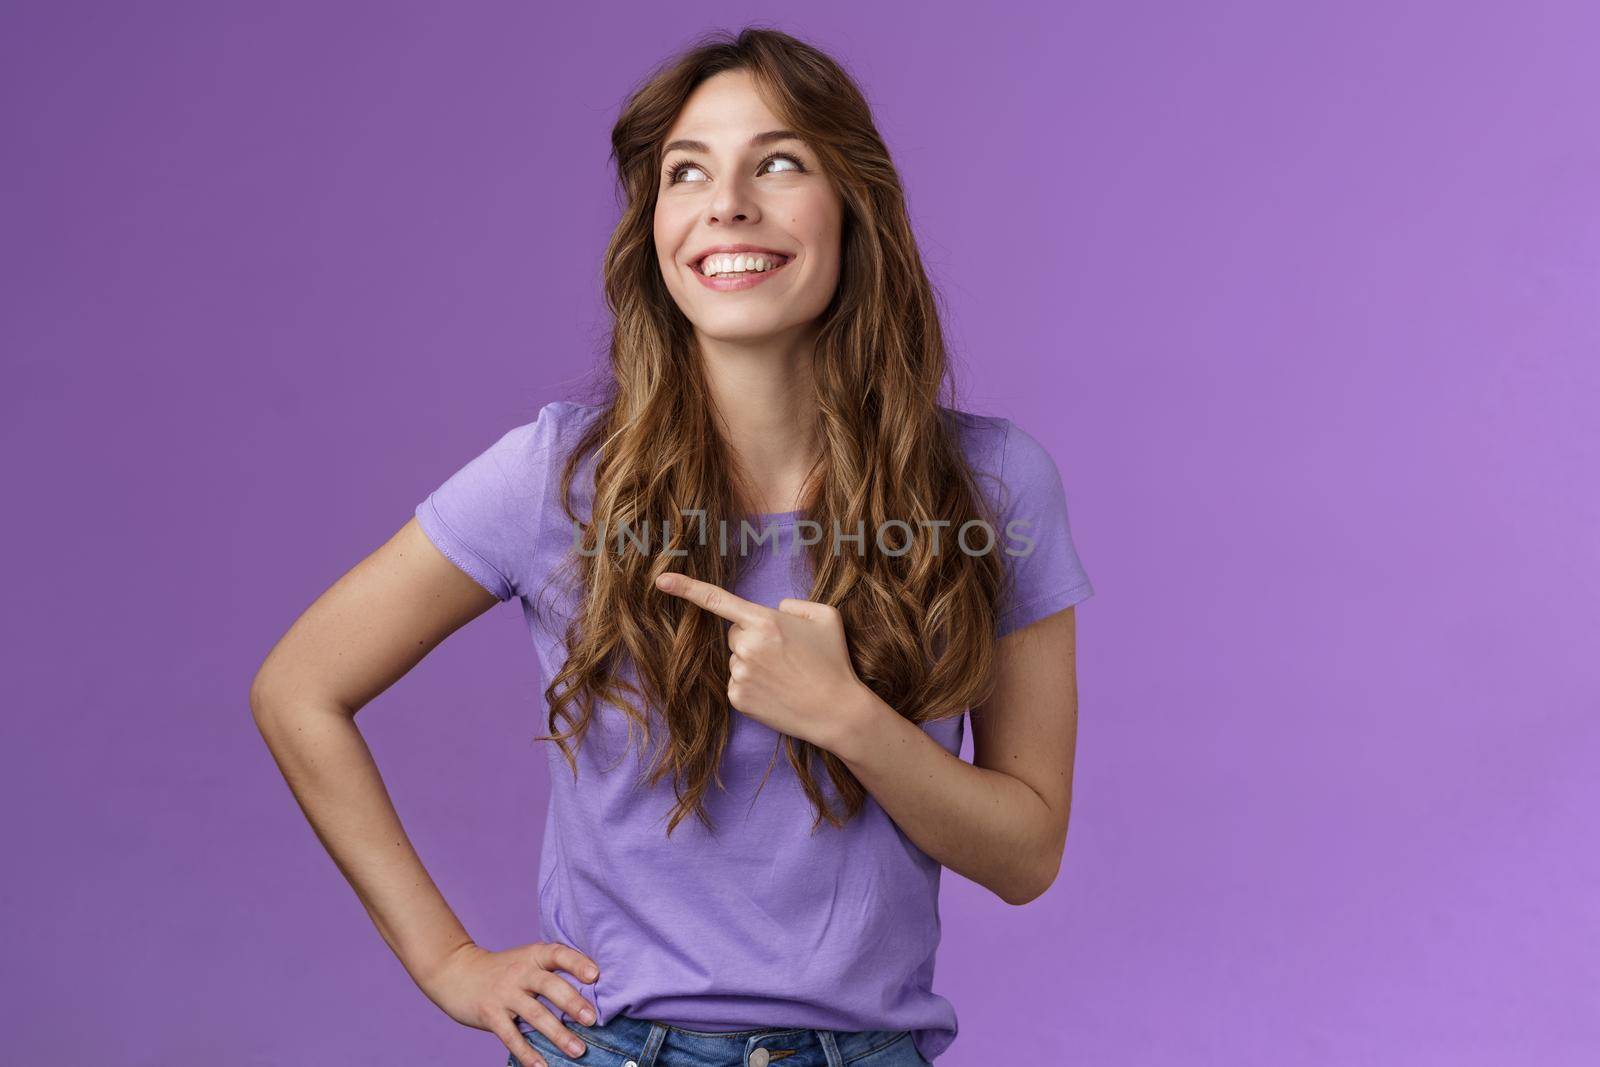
{"x": 732, "y": 203}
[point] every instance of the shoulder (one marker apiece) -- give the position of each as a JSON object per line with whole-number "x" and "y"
{"x": 571, "y": 413}
{"x": 1002, "y": 449}
{"x": 547, "y": 438}
{"x": 496, "y": 517}
{"x": 514, "y": 474}
{"x": 982, "y": 437}
{"x": 558, "y": 421}
{"x": 1012, "y": 468}
{"x": 1026, "y": 464}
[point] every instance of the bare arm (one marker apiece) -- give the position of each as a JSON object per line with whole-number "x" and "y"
{"x": 358, "y": 638}
{"x": 1002, "y": 819}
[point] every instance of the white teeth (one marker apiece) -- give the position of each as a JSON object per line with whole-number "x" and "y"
{"x": 738, "y": 263}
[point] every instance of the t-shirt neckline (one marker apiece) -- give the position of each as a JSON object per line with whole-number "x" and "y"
{"x": 777, "y": 518}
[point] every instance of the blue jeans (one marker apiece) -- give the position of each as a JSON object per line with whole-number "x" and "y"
{"x": 628, "y": 1042}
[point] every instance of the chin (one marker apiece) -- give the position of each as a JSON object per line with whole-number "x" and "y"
{"x": 746, "y": 331}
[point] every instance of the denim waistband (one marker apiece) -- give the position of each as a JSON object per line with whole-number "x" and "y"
{"x": 656, "y": 1044}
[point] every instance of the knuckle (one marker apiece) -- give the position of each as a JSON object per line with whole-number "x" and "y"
{"x": 566, "y": 1042}
{"x": 516, "y": 1042}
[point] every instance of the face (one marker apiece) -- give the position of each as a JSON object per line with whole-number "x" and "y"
{"x": 737, "y": 184}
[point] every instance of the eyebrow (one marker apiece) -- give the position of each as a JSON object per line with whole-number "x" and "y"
{"x": 759, "y": 139}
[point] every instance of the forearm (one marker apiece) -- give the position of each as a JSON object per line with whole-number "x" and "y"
{"x": 336, "y": 782}
{"x": 983, "y": 824}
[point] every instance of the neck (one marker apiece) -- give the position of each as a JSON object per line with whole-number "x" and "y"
{"x": 765, "y": 396}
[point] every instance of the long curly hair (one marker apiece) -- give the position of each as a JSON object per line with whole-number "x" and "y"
{"x": 921, "y": 625}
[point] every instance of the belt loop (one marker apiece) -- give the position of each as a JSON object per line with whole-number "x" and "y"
{"x": 652, "y": 1045}
{"x": 830, "y": 1048}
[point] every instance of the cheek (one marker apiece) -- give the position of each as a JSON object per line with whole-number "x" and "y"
{"x": 668, "y": 232}
{"x": 822, "y": 225}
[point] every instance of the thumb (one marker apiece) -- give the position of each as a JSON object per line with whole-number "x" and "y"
{"x": 804, "y": 609}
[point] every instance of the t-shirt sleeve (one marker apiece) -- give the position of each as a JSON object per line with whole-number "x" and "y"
{"x": 486, "y": 516}
{"x": 1035, "y": 539}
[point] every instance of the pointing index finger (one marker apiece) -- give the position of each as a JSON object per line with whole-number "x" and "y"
{"x": 713, "y": 598}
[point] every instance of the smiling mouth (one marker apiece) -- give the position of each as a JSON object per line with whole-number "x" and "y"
{"x": 781, "y": 262}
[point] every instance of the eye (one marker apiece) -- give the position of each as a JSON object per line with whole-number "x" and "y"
{"x": 798, "y": 166}
{"x": 675, "y": 171}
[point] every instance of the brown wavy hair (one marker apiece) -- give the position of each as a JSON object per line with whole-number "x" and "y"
{"x": 921, "y": 625}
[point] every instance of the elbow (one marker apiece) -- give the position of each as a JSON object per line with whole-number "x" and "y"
{"x": 280, "y": 696}
{"x": 259, "y": 702}
{"x": 1017, "y": 899}
{"x": 1027, "y": 890}
{"x": 264, "y": 701}
{"x": 1031, "y": 883}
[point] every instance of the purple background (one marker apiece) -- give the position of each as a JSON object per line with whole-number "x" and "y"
{"x": 1303, "y": 298}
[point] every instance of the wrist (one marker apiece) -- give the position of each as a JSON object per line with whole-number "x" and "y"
{"x": 853, "y": 718}
{"x": 428, "y": 975}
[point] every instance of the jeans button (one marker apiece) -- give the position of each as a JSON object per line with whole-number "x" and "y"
{"x": 759, "y": 1058}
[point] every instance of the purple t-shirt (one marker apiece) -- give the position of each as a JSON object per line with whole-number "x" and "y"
{"x": 761, "y": 923}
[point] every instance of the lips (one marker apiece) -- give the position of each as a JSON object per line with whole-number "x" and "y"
{"x": 782, "y": 261}
{"x": 735, "y": 249}
{"x": 727, "y": 283}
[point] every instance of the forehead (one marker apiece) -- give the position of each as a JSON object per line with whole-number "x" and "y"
{"x": 726, "y": 109}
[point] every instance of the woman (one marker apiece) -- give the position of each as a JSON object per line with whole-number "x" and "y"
{"x": 776, "y": 361}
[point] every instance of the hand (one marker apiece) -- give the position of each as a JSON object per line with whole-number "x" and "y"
{"x": 487, "y": 990}
{"x": 789, "y": 667}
